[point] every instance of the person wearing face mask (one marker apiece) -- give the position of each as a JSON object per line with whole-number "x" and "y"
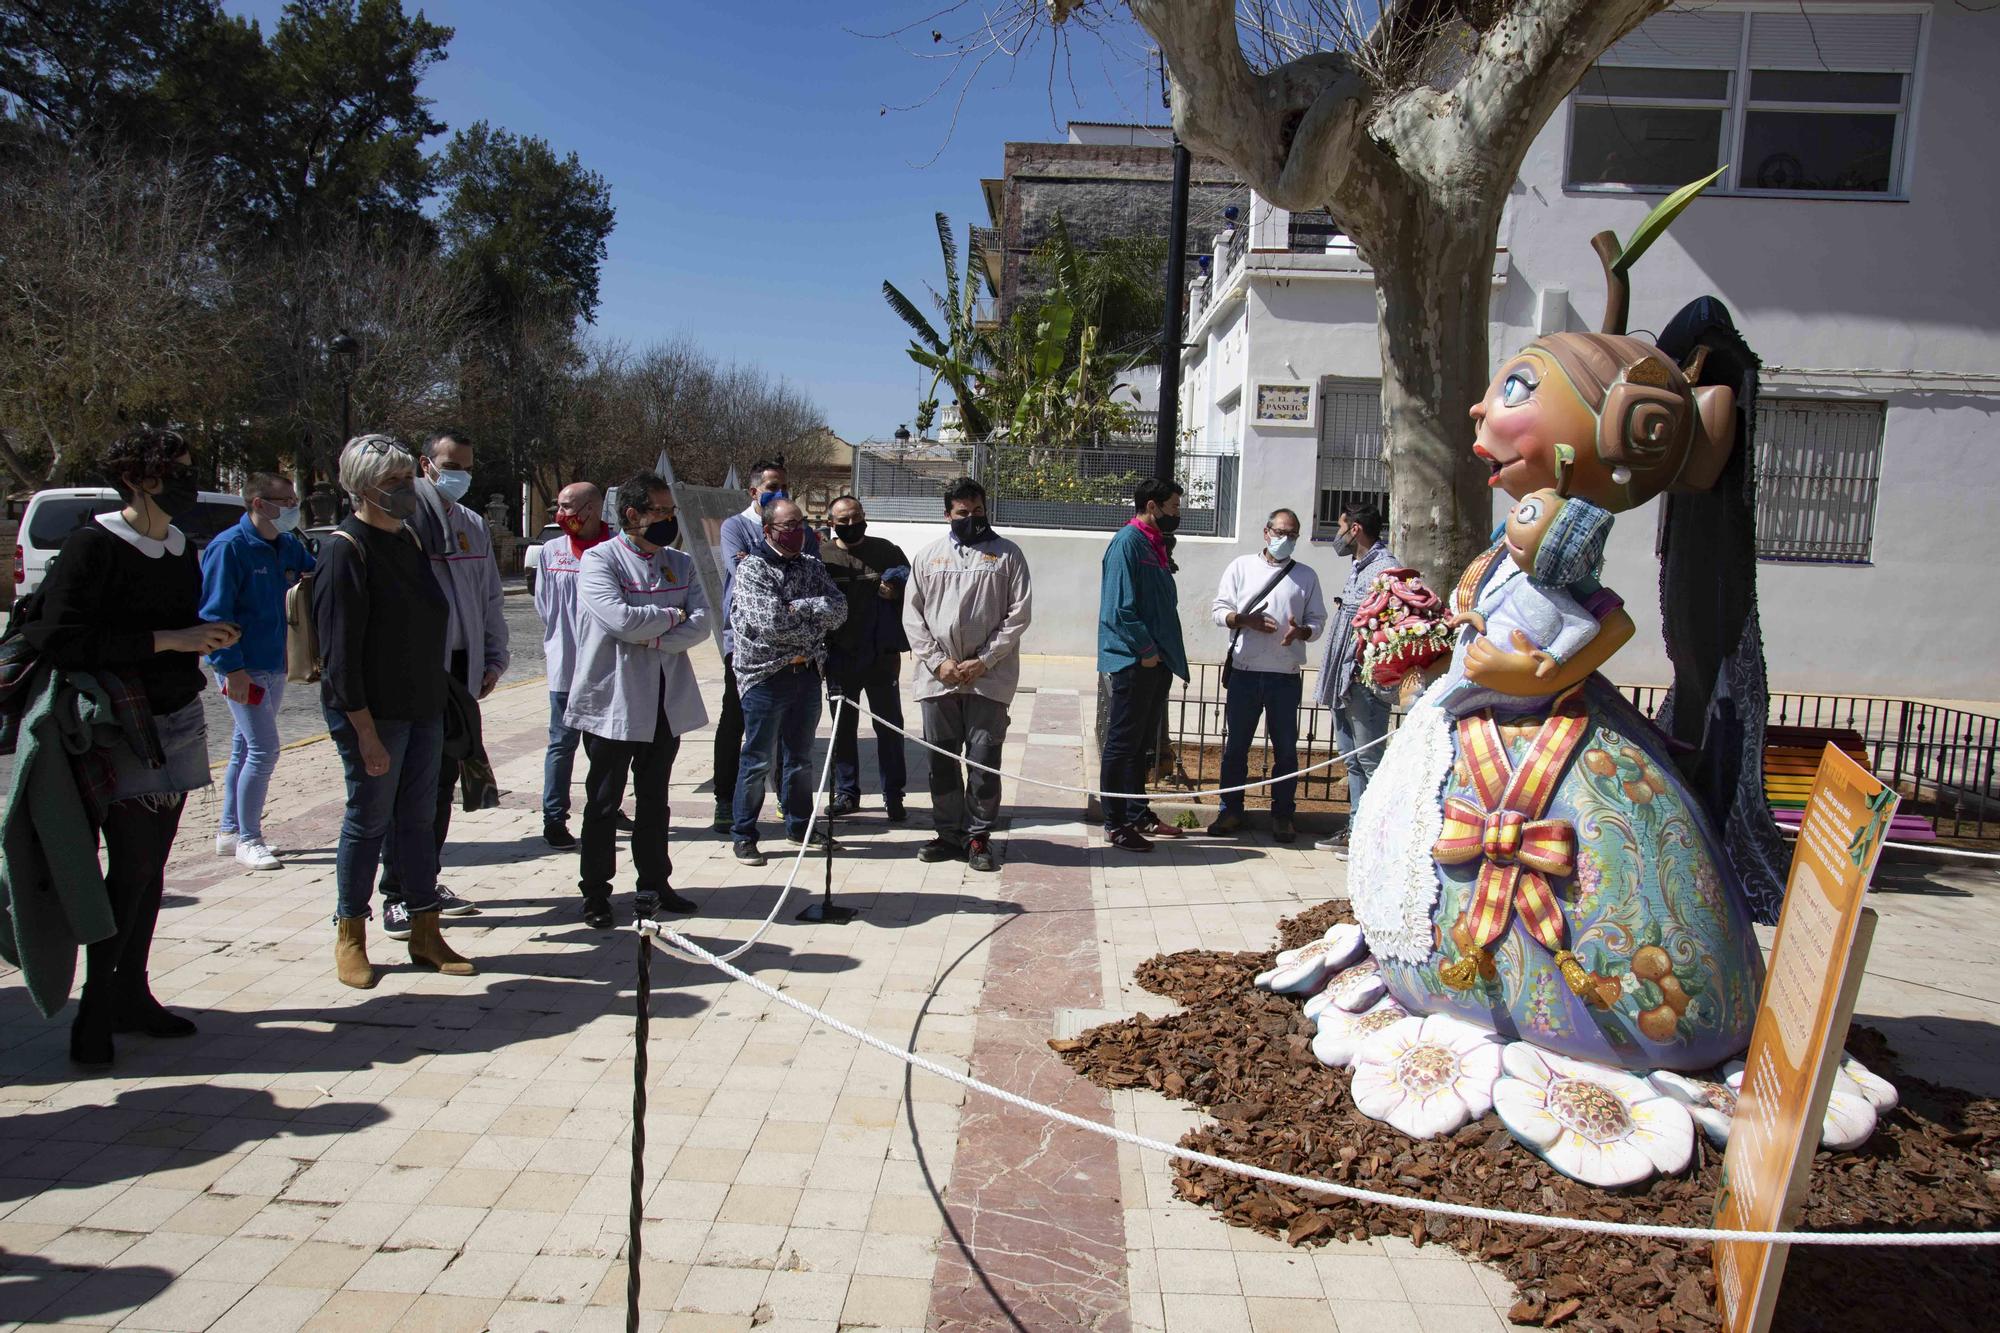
{"x": 475, "y": 650}
{"x": 1360, "y": 718}
{"x": 742, "y": 534}
{"x": 380, "y": 618}
{"x": 245, "y": 573}
{"x": 122, "y": 603}
{"x": 632, "y": 692}
{"x": 966, "y": 607}
{"x": 578, "y": 513}
{"x": 1272, "y": 607}
{"x": 865, "y": 655}
{"x": 1139, "y": 647}
{"x": 784, "y": 607}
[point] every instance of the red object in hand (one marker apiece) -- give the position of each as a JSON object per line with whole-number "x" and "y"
{"x": 255, "y": 699}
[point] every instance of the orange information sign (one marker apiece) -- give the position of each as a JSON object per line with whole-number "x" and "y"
{"x": 1795, "y": 1050}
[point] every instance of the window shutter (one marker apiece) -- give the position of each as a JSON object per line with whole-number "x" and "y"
{"x": 1682, "y": 40}
{"x": 1885, "y": 43}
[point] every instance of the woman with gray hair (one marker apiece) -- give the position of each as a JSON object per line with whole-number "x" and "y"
{"x": 380, "y": 618}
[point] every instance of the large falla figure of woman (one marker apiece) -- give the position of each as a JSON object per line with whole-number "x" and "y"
{"x": 1564, "y": 871}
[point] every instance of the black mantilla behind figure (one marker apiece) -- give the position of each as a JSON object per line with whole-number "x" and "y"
{"x": 1719, "y": 698}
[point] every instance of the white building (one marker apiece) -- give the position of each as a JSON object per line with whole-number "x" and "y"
{"x": 1852, "y": 240}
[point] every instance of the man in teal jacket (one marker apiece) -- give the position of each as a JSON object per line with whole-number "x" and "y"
{"x": 1139, "y": 648}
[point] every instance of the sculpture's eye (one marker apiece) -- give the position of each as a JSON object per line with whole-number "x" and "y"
{"x": 1527, "y": 512}
{"x": 1516, "y": 389}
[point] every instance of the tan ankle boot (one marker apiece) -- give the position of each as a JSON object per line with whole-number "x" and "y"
{"x": 350, "y": 953}
{"x": 427, "y": 947}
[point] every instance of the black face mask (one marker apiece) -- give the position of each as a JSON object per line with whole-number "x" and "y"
{"x": 1168, "y": 523}
{"x": 178, "y": 490}
{"x": 973, "y": 530}
{"x": 663, "y": 532}
{"x": 850, "y": 533}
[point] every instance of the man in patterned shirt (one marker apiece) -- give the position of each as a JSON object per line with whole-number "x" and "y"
{"x": 783, "y": 605}
{"x": 1360, "y": 717}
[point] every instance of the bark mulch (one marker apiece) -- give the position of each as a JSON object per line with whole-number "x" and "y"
{"x": 1244, "y": 1056}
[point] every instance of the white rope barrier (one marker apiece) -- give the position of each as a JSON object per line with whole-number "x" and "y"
{"x": 1792, "y": 835}
{"x": 662, "y": 935}
{"x": 798, "y": 861}
{"x": 862, "y": 709}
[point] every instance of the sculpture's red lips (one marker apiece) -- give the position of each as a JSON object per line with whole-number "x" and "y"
{"x": 1492, "y": 461}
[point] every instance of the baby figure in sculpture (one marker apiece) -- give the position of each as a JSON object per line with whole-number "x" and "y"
{"x": 1556, "y": 545}
{"x": 1533, "y": 855}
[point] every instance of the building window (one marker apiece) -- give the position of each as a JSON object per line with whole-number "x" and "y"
{"x": 1350, "y": 452}
{"x": 1819, "y": 464}
{"x": 1807, "y": 101}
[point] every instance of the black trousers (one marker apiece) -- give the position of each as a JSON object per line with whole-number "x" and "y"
{"x": 1138, "y": 701}
{"x": 651, "y": 765}
{"x": 137, "y": 839}
{"x": 728, "y": 739}
{"x": 392, "y": 884}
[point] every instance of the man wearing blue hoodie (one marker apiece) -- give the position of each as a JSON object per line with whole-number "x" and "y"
{"x": 1139, "y": 648}
{"x": 245, "y": 573}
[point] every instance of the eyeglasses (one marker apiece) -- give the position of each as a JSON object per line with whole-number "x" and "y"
{"x": 793, "y": 526}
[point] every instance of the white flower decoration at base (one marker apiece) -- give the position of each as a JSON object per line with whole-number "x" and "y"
{"x": 1426, "y": 1076}
{"x": 1598, "y": 1125}
{"x": 1879, "y": 1091}
{"x": 1712, "y": 1104}
{"x": 1304, "y": 968}
{"x": 1851, "y": 1110}
{"x": 1341, "y": 1033}
{"x": 1358, "y": 988}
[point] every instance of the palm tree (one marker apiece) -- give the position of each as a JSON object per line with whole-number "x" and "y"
{"x": 958, "y": 356}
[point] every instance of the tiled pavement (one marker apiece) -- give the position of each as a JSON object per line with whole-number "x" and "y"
{"x": 444, "y": 1153}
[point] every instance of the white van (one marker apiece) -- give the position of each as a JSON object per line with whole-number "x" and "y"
{"x": 52, "y": 515}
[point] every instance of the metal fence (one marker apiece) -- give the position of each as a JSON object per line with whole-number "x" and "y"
{"x": 1944, "y": 761}
{"x": 1045, "y": 486}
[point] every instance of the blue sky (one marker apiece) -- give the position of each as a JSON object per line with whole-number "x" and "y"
{"x": 762, "y": 195}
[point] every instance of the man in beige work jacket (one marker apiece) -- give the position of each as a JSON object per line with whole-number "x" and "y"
{"x": 964, "y": 612}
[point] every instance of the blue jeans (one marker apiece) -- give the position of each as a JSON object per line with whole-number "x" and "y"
{"x": 1358, "y": 720}
{"x": 559, "y": 764}
{"x": 1274, "y": 696}
{"x": 780, "y": 715}
{"x": 404, "y": 798}
{"x": 253, "y": 757}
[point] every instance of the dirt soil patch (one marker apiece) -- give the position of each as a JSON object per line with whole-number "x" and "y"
{"x": 1244, "y": 1055}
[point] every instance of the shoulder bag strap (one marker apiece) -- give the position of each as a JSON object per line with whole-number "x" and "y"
{"x": 1256, "y": 602}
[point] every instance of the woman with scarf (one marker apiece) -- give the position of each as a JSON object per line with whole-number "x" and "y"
{"x": 380, "y": 619}
{"x": 123, "y": 600}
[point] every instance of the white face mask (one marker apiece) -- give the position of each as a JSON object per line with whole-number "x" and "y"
{"x": 453, "y": 484}
{"x": 285, "y": 520}
{"x": 1281, "y": 548}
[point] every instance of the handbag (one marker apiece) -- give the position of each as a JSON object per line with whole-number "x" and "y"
{"x": 302, "y": 657}
{"x": 1229, "y": 657}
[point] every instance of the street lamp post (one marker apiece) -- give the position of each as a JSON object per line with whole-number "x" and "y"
{"x": 344, "y": 349}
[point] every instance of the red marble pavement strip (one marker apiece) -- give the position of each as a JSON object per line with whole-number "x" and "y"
{"x": 1037, "y": 1230}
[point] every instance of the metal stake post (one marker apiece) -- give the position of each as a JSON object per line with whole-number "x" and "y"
{"x": 826, "y": 910}
{"x": 642, "y": 1018}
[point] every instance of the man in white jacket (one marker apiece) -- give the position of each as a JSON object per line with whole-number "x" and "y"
{"x": 633, "y": 693}
{"x": 1273, "y": 608}
{"x": 579, "y": 510}
{"x": 461, "y": 552}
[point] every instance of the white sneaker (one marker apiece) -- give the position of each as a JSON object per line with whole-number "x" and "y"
{"x": 257, "y": 856}
{"x": 225, "y": 844}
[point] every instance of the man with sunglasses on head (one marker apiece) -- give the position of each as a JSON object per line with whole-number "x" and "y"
{"x": 461, "y": 556}
{"x": 245, "y": 574}
{"x": 632, "y": 692}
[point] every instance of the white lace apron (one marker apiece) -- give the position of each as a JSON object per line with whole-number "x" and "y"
{"x": 1391, "y": 878}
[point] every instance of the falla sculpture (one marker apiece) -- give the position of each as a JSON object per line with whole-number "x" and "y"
{"x": 1551, "y": 870}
